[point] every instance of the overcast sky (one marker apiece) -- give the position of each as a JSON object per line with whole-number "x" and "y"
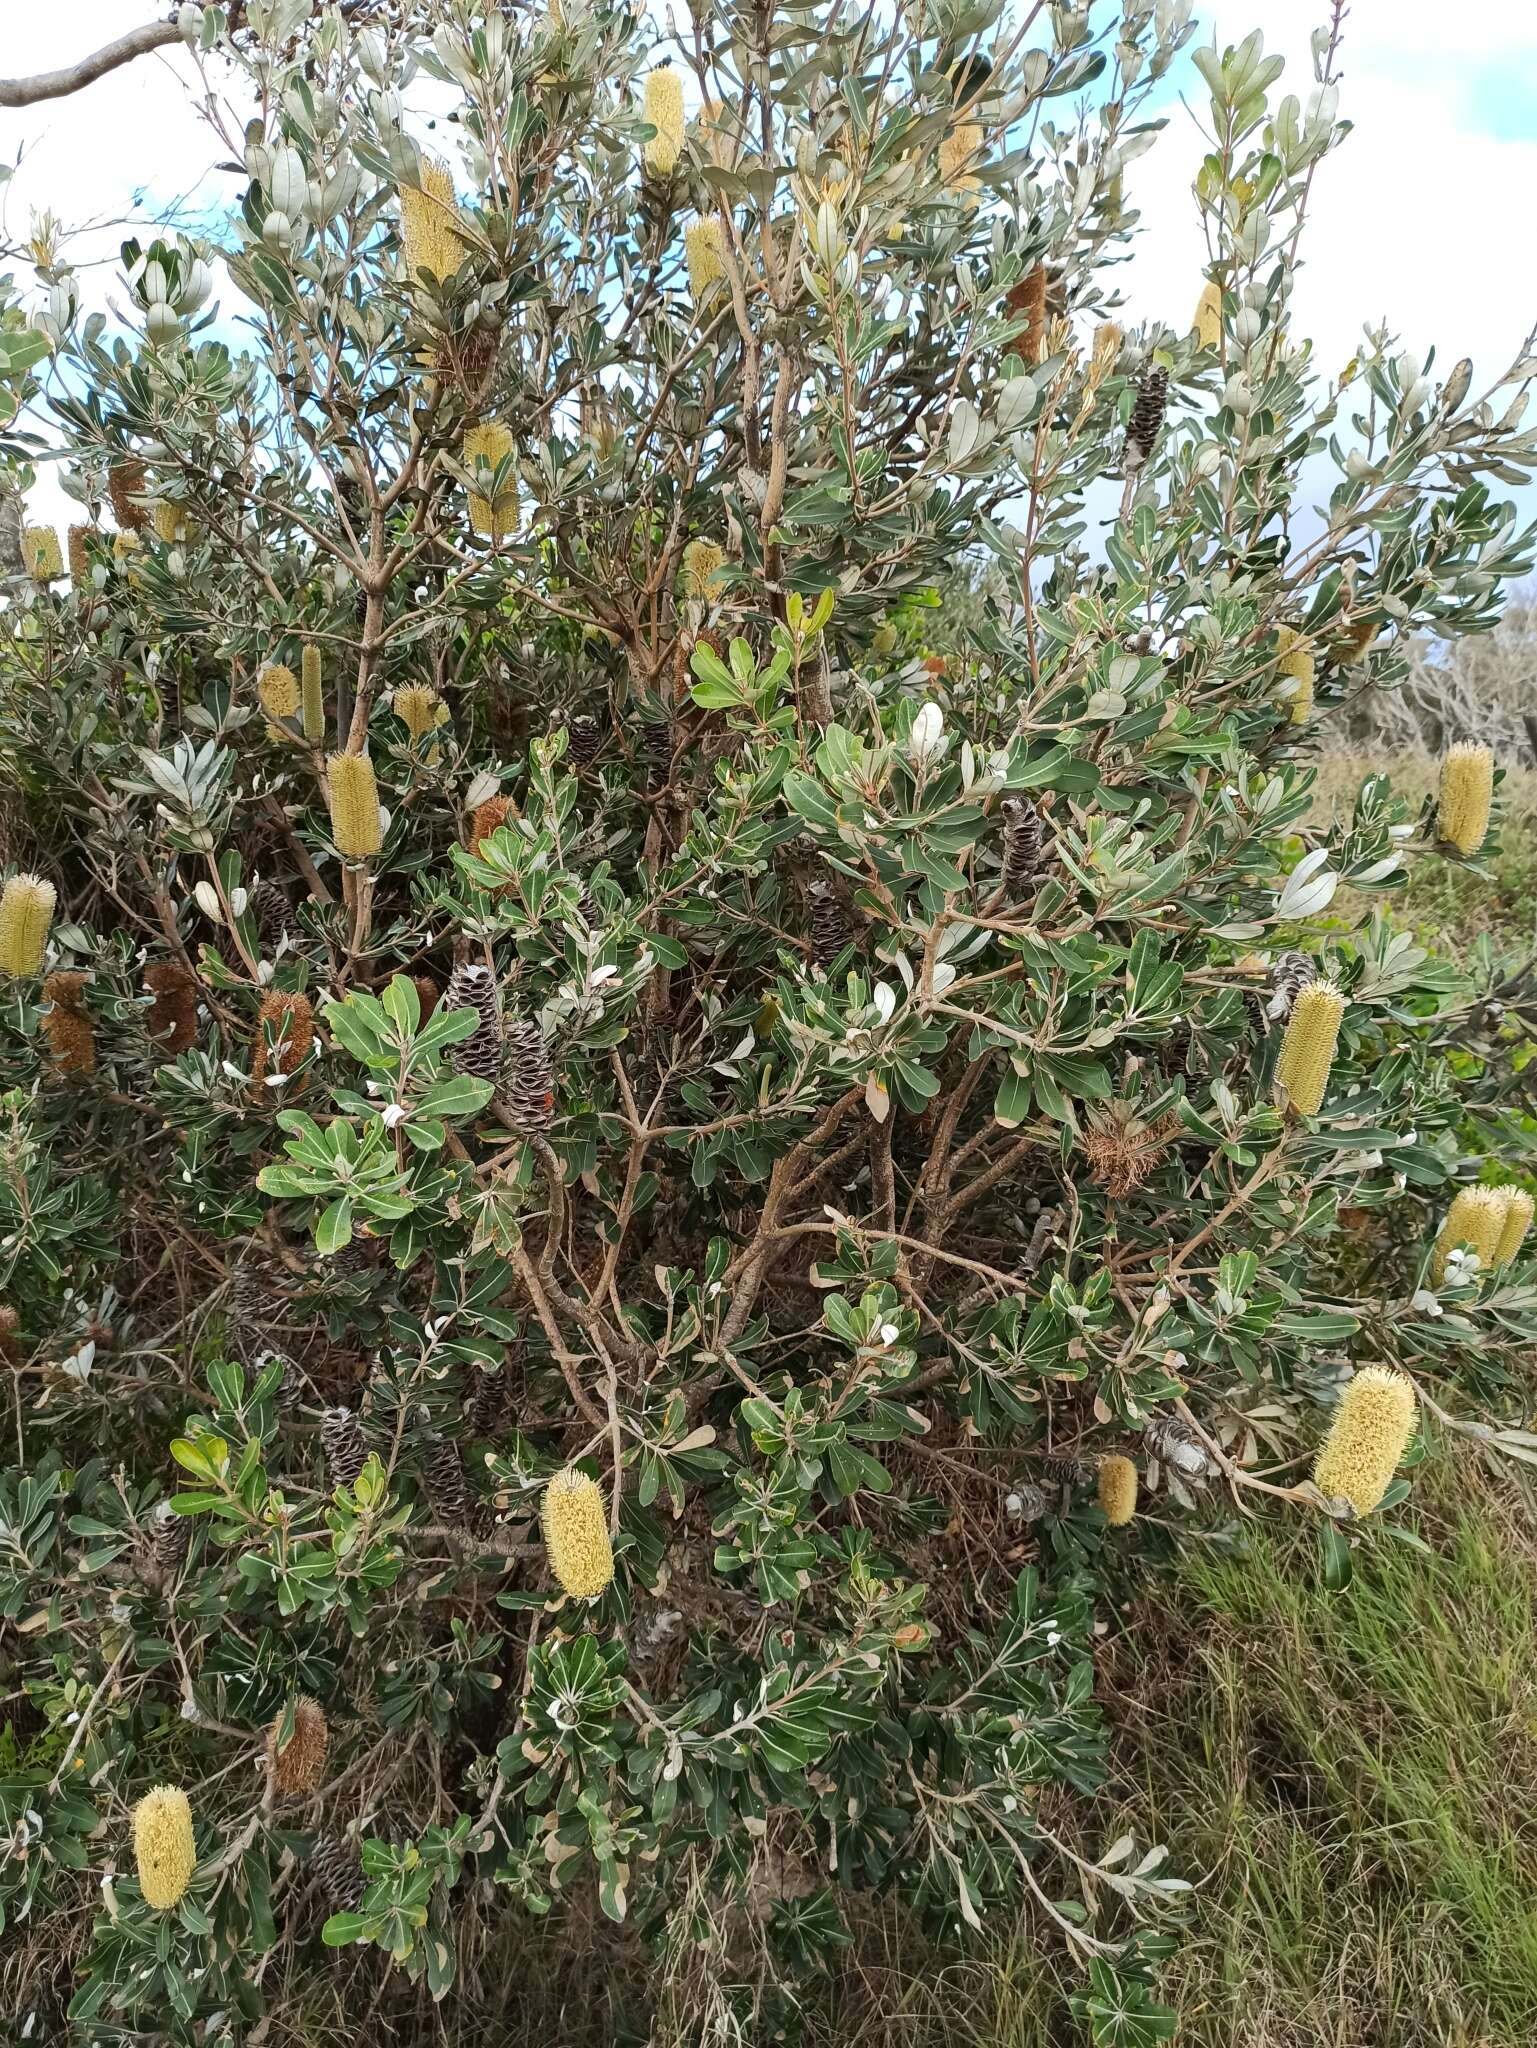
{"x": 1421, "y": 219}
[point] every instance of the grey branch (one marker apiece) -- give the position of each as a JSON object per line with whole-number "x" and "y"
{"x": 57, "y": 85}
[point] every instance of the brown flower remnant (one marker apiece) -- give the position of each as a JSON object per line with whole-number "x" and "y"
{"x": 1122, "y": 1150}
{"x": 126, "y": 481}
{"x": 1029, "y": 298}
{"x": 66, "y": 1026}
{"x": 171, "y": 1019}
{"x": 297, "y": 1766}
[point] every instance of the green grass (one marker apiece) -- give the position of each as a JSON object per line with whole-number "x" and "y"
{"x": 1349, "y": 1778}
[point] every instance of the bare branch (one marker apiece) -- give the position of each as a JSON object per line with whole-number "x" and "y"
{"x": 58, "y": 85}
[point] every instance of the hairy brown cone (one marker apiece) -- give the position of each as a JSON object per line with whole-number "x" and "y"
{"x": 1029, "y": 298}
{"x": 297, "y": 1767}
{"x": 71, "y": 1038}
{"x": 171, "y": 1019}
{"x": 285, "y": 1030}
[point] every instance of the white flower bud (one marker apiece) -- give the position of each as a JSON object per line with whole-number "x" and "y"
{"x": 926, "y": 743}
{"x": 208, "y": 902}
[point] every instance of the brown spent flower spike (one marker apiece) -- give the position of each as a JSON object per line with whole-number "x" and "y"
{"x": 67, "y": 1027}
{"x": 298, "y": 1766}
{"x": 171, "y": 1019}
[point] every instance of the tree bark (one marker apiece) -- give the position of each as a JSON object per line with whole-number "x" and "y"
{"x": 58, "y": 85}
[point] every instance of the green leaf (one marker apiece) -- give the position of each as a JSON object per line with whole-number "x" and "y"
{"x": 334, "y": 1228}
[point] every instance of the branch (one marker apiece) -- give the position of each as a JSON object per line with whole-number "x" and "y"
{"x": 58, "y": 85}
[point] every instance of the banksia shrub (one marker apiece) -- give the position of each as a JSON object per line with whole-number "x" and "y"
{"x": 1296, "y": 665}
{"x": 429, "y": 223}
{"x": 576, "y": 1534}
{"x": 664, "y": 111}
{"x": 704, "y": 252}
{"x": 126, "y": 482}
{"x": 298, "y": 1765}
{"x": 285, "y": 1032}
{"x": 277, "y": 690}
{"x": 1467, "y": 793}
{"x": 26, "y": 913}
{"x": 493, "y": 512}
{"x": 163, "y": 1847}
{"x": 343, "y": 1447}
{"x": 1307, "y": 1050}
{"x": 473, "y": 987}
{"x": 1519, "y": 1211}
{"x": 71, "y": 1037}
{"x": 1117, "y": 1490}
{"x": 311, "y": 699}
{"x": 1367, "y": 1439}
{"x": 356, "y": 823}
{"x": 1207, "y": 323}
{"x": 170, "y": 1022}
{"x": 417, "y": 708}
{"x": 1476, "y": 1219}
{"x": 530, "y": 1090}
{"x": 702, "y": 562}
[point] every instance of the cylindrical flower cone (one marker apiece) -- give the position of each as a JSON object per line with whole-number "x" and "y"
{"x": 1117, "y": 1490}
{"x": 1467, "y": 794}
{"x": 429, "y": 223}
{"x": 702, "y": 562}
{"x": 26, "y": 912}
{"x": 1307, "y": 1050}
{"x": 1367, "y": 1439}
{"x": 704, "y": 253}
{"x": 163, "y": 1847}
{"x": 356, "y": 823}
{"x": 40, "y": 553}
{"x": 311, "y": 702}
{"x": 417, "y": 708}
{"x": 1476, "y": 1219}
{"x": 277, "y": 689}
{"x": 576, "y": 1534}
{"x": 298, "y": 1765}
{"x": 663, "y": 108}
{"x": 1207, "y": 323}
{"x": 1519, "y": 1210}
{"x": 494, "y": 512}
{"x": 1296, "y": 665}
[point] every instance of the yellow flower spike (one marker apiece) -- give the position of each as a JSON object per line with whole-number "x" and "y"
{"x": 1519, "y": 1211}
{"x": 1117, "y": 1490}
{"x": 1367, "y": 1439}
{"x": 1467, "y": 791}
{"x": 356, "y": 825}
{"x": 1207, "y": 323}
{"x": 80, "y": 538}
{"x": 959, "y": 150}
{"x": 417, "y": 708}
{"x": 576, "y": 1534}
{"x": 163, "y": 1847}
{"x": 489, "y": 446}
{"x": 278, "y": 690}
{"x": 1307, "y": 1050}
{"x": 169, "y": 521}
{"x": 704, "y": 253}
{"x": 702, "y": 562}
{"x": 26, "y": 912}
{"x": 1295, "y": 661}
{"x": 311, "y": 702}
{"x": 1476, "y": 1218}
{"x": 40, "y": 553}
{"x": 663, "y": 108}
{"x": 428, "y": 217}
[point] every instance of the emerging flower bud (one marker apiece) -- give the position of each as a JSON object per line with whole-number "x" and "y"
{"x": 312, "y": 703}
{"x": 494, "y": 511}
{"x": 163, "y": 1847}
{"x": 1367, "y": 1439}
{"x": 1467, "y": 791}
{"x": 926, "y": 742}
{"x": 1207, "y": 322}
{"x": 576, "y": 1534}
{"x": 1307, "y": 1050}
